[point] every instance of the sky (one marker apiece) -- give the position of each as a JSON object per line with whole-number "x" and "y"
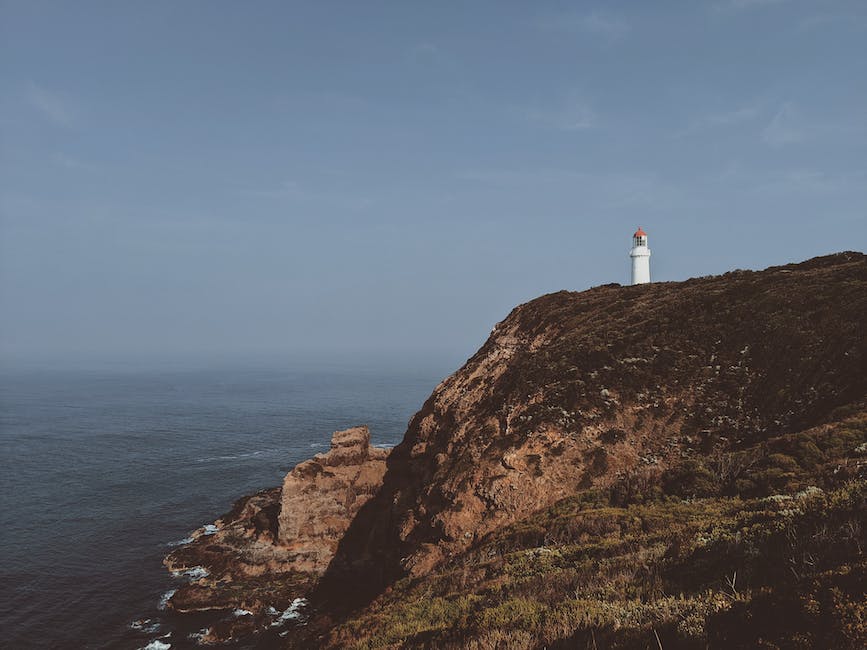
{"x": 195, "y": 182}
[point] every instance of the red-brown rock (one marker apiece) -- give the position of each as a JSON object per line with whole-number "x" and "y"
{"x": 272, "y": 546}
{"x": 322, "y": 495}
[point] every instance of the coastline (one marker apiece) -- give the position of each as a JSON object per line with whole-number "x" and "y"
{"x": 252, "y": 569}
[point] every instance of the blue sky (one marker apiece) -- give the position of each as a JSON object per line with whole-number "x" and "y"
{"x": 242, "y": 181}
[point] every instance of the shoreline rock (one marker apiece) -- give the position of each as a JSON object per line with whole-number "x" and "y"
{"x": 321, "y": 496}
{"x": 270, "y": 549}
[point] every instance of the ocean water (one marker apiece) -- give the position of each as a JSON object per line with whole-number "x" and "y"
{"x": 102, "y": 470}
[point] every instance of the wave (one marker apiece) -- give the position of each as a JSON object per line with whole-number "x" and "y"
{"x": 249, "y": 454}
{"x": 164, "y": 599}
{"x": 199, "y": 637}
{"x": 193, "y": 573}
{"x": 294, "y": 613}
{"x": 145, "y": 625}
{"x": 207, "y": 529}
{"x": 156, "y": 644}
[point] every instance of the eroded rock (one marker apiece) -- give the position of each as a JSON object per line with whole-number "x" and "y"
{"x": 270, "y": 549}
{"x": 322, "y": 495}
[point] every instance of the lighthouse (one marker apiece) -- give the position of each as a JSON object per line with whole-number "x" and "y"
{"x": 640, "y": 255}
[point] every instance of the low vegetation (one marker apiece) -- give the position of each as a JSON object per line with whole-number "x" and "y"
{"x": 760, "y": 547}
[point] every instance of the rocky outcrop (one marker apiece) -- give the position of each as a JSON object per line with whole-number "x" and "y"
{"x": 271, "y": 548}
{"x": 322, "y": 495}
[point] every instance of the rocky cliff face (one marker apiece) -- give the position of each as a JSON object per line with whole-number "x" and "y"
{"x": 321, "y": 497}
{"x": 271, "y": 547}
{"x": 656, "y": 388}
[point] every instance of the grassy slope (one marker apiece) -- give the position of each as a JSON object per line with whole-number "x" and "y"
{"x": 681, "y": 556}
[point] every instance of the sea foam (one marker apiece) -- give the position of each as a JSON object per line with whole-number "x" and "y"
{"x": 164, "y": 599}
{"x": 193, "y": 573}
{"x": 156, "y": 644}
{"x": 249, "y": 454}
{"x": 199, "y": 637}
{"x": 145, "y": 625}
{"x": 293, "y": 613}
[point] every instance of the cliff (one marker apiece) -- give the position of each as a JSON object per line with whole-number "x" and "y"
{"x": 675, "y": 465}
{"x": 552, "y": 491}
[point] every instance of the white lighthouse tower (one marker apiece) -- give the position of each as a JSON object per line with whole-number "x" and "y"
{"x": 640, "y": 255}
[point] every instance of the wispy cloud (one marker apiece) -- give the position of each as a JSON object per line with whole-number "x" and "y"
{"x": 746, "y": 5}
{"x": 723, "y": 119}
{"x": 609, "y": 26}
{"x": 49, "y": 104}
{"x": 838, "y": 16}
{"x": 572, "y": 115}
{"x": 594, "y": 23}
{"x": 601, "y": 190}
{"x": 69, "y": 162}
{"x": 575, "y": 118}
{"x": 788, "y": 182}
{"x": 424, "y": 52}
{"x": 817, "y": 181}
{"x": 784, "y": 128}
{"x": 285, "y": 190}
{"x": 790, "y": 125}
{"x": 291, "y": 191}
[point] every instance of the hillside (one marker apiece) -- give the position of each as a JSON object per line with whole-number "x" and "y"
{"x": 676, "y": 465}
{"x": 672, "y": 460}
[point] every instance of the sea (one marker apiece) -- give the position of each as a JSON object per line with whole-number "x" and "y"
{"x": 103, "y": 470}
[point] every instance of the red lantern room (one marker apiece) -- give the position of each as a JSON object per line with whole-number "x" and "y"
{"x": 639, "y": 238}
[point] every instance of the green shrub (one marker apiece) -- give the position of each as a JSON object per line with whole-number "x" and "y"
{"x": 690, "y": 479}
{"x": 783, "y": 463}
{"x": 808, "y": 454}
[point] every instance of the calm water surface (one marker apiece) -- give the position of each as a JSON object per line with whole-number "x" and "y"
{"x": 100, "y": 471}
